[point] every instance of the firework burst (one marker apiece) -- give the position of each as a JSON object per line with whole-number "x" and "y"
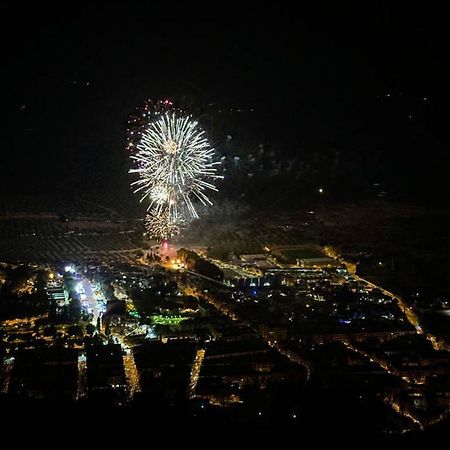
{"x": 174, "y": 161}
{"x": 159, "y": 226}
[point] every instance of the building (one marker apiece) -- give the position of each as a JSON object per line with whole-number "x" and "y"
{"x": 58, "y": 296}
{"x": 105, "y": 373}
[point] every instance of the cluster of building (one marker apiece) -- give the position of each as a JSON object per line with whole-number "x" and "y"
{"x": 166, "y": 336}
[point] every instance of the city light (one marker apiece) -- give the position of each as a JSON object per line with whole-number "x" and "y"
{"x": 158, "y": 319}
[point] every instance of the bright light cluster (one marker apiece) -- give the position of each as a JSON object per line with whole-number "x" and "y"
{"x": 174, "y": 161}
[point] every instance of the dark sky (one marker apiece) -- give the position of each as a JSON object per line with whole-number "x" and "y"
{"x": 366, "y": 75}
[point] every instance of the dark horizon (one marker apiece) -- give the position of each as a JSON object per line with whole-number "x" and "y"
{"x": 369, "y": 81}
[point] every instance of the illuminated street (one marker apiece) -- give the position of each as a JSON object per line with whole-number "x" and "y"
{"x": 195, "y": 371}
{"x": 82, "y": 382}
{"x": 5, "y": 374}
{"x": 89, "y": 299}
{"x": 131, "y": 372}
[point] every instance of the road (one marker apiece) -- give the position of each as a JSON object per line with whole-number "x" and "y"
{"x": 411, "y": 316}
{"x": 195, "y": 371}
{"x": 228, "y": 311}
{"x": 90, "y": 300}
{"x": 212, "y": 280}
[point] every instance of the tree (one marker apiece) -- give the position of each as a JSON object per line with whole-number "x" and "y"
{"x": 200, "y": 265}
{"x": 75, "y": 330}
{"x": 107, "y": 327}
{"x": 75, "y": 309}
{"x": 90, "y": 329}
{"x": 50, "y": 330}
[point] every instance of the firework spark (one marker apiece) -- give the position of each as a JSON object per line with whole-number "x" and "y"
{"x": 160, "y": 227}
{"x": 174, "y": 161}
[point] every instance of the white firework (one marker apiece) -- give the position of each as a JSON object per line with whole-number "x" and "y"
{"x": 159, "y": 194}
{"x": 175, "y": 164}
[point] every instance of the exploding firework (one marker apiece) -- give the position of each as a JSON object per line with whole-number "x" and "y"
{"x": 174, "y": 161}
{"x": 159, "y": 226}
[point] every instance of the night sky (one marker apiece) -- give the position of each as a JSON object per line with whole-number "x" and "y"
{"x": 372, "y": 78}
